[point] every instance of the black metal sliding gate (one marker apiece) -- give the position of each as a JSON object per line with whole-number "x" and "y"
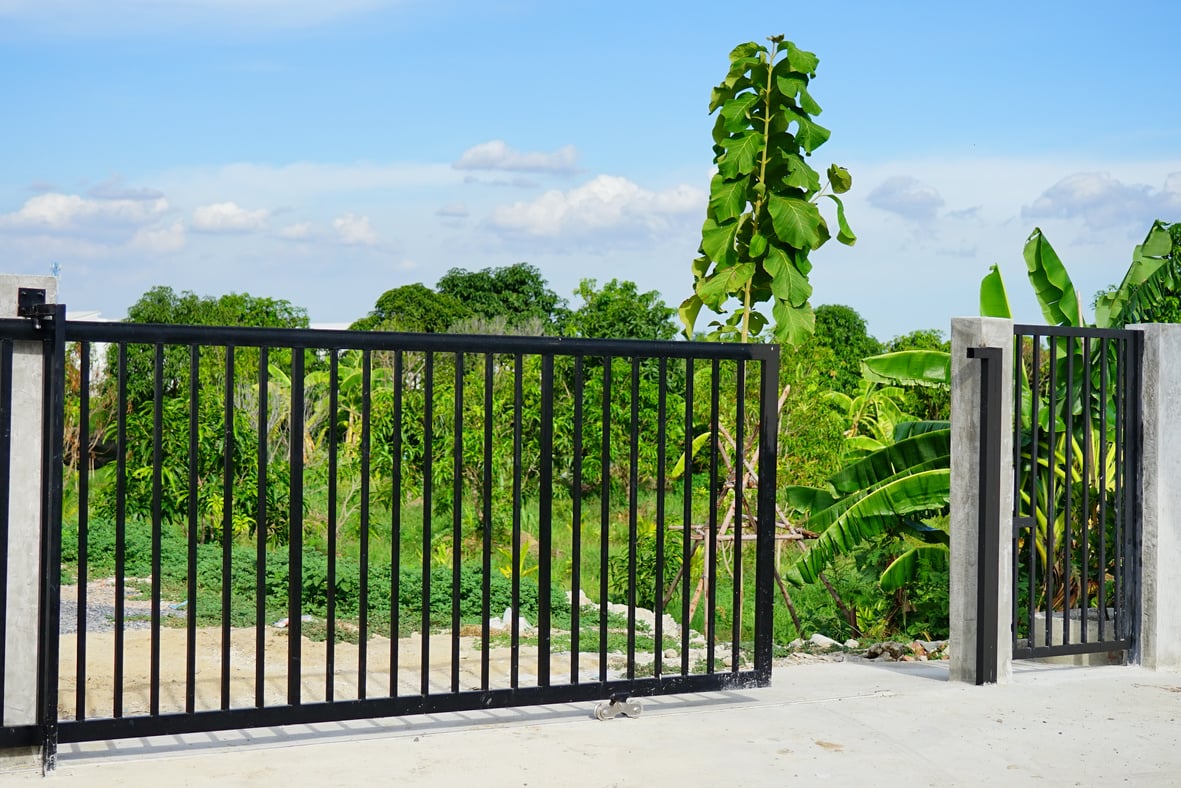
{"x": 1076, "y": 459}
{"x": 275, "y": 526}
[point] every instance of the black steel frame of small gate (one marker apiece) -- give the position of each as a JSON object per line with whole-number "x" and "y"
{"x": 730, "y": 659}
{"x": 1079, "y": 387}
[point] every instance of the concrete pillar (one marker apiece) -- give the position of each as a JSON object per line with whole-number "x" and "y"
{"x": 24, "y": 520}
{"x": 1159, "y": 643}
{"x": 965, "y": 496}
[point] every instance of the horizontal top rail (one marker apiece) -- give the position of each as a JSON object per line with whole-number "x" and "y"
{"x": 337, "y": 339}
{"x": 1026, "y": 330}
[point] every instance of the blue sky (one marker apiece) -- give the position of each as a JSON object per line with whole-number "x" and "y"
{"x": 325, "y": 152}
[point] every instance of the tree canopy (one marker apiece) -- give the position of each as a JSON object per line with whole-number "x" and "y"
{"x": 518, "y": 292}
{"x": 619, "y": 311}
{"x": 842, "y": 330}
{"x": 164, "y": 305}
{"x": 414, "y": 308}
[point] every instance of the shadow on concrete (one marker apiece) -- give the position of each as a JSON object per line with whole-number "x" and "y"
{"x": 355, "y": 730}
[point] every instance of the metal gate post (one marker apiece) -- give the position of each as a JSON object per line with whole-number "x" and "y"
{"x": 988, "y": 537}
{"x": 51, "y": 520}
{"x": 765, "y": 546}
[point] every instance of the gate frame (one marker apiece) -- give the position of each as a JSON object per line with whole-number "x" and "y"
{"x": 51, "y": 328}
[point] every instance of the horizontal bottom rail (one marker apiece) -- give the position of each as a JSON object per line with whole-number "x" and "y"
{"x": 1034, "y": 652}
{"x": 20, "y": 736}
{"x": 373, "y": 708}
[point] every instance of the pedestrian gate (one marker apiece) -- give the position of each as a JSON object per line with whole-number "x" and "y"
{"x": 1076, "y": 462}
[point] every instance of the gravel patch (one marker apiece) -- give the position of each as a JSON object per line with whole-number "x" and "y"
{"x": 101, "y": 608}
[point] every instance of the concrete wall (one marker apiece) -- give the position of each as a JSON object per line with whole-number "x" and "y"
{"x": 965, "y": 496}
{"x": 24, "y": 517}
{"x": 1159, "y": 645}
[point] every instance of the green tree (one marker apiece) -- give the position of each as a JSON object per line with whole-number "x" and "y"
{"x": 415, "y": 308}
{"x": 842, "y": 330}
{"x": 619, "y": 311}
{"x": 762, "y": 221}
{"x": 163, "y": 305}
{"x": 516, "y": 292}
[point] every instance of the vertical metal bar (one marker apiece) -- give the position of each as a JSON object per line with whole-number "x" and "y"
{"x": 6, "y": 354}
{"x": 711, "y": 556}
{"x": 191, "y": 539}
{"x": 5, "y": 473}
{"x": 515, "y": 653}
{"x": 633, "y": 499}
{"x": 604, "y": 514}
{"x": 1067, "y": 499}
{"x": 456, "y": 517}
{"x": 53, "y": 451}
{"x": 1123, "y": 492}
{"x": 687, "y": 515}
{"x": 576, "y": 524}
{"x": 1051, "y": 467}
{"x": 1119, "y": 501}
{"x": 1018, "y": 375}
{"x": 363, "y": 580}
{"x": 1088, "y": 470}
{"x": 545, "y": 521}
{"x": 661, "y": 482}
{"x": 486, "y": 531}
{"x": 428, "y": 470}
{"x": 988, "y": 536}
{"x": 120, "y": 527}
{"x": 396, "y": 527}
{"x": 1034, "y": 475}
{"x": 1104, "y": 393}
{"x": 83, "y": 519}
{"x": 227, "y": 521}
{"x": 739, "y": 512}
{"x": 260, "y": 533}
{"x": 333, "y": 525}
{"x": 1135, "y": 441}
{"x": 765, "y": 546}
{"x": 157, "y": 524}
{"x": 295, "y": 535}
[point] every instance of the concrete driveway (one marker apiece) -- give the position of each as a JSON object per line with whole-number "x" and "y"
{"x": 851, "y": 723}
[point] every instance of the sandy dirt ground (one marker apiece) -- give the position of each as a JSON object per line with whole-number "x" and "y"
{"x": 344, "y": 678}
{"x": 105, "y": 684}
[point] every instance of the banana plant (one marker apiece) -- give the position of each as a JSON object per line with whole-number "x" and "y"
{"x": 870, "y": 416}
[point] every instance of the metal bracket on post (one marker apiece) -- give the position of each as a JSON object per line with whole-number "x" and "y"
{"x": 988, "y": 555}
{"x": 30, "y": 303}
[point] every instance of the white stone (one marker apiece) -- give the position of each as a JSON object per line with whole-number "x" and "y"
{"x": 822, "y": 641}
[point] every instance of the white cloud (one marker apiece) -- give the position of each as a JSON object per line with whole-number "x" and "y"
{"x": 355, "y": 230}
{"x": 606, "y": 203}
{"x": 301, "y": 231}
{"x": 907, "y": 197}
{"x": 1103, "y": 201}
{"x": 497, "y": 155}
{"x": 227, "y": 217}
{"x": 56, "y": 212}
{"x": 162, "y": 239}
